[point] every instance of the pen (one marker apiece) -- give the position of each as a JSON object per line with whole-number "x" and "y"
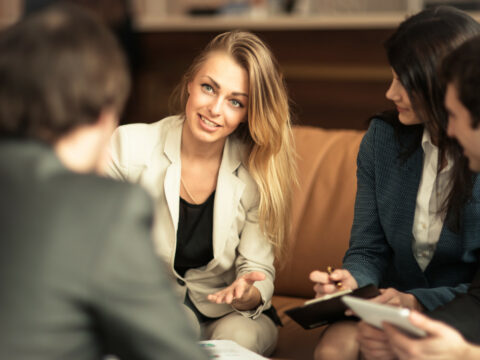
{"x": 330, "y": 270}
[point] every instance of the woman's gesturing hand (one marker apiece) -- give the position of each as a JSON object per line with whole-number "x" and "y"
{"x": 241, "y": 293}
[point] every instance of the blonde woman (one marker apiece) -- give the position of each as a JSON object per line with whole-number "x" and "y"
{"x": 221, "y": 174}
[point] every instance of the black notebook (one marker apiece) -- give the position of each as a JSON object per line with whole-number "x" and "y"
{"x": 327, "y": 309}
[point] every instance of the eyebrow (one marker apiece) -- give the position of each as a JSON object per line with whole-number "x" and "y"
{"x": 217, "y": 85}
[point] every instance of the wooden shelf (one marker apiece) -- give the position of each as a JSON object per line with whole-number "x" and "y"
{"x": 380, "y": 20}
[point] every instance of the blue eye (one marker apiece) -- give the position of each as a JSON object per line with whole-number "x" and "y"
{"x": 236, "y": 103}
{"x": 207, "y": 88}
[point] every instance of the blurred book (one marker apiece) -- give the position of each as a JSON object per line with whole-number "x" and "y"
{"x": 327, "y": 309}
{"x": 228, "y": 350}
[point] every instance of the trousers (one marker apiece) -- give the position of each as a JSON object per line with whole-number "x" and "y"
{"x": 259, "y": 335}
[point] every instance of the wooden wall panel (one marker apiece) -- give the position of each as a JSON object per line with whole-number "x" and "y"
{"x": 336, "y": 78}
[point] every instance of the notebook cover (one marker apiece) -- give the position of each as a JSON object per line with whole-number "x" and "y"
{"x": 323, "y": 312}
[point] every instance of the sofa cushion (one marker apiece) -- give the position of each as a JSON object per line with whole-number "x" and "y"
{"x": 322, "y": 206}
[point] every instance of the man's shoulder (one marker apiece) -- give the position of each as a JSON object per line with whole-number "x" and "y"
{"x": 94, "y": 188}
{"x": 102, "y": 209}
{"x": 148, "y": 134}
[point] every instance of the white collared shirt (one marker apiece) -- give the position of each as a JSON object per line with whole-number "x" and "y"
{"x": 432, "y": 192}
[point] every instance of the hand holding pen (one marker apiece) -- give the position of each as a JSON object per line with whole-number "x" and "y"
{"x": 338, "y": 284}
{"x": 330, "y": 281}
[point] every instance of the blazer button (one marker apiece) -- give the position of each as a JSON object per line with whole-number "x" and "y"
{"x": 180, "y": 282}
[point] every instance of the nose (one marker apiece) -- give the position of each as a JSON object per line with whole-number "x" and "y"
{"x": 392, "y": 92}
{"x": 215, "y": 106}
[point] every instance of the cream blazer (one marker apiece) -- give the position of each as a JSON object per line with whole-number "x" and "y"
{"x": 149, "y": 154}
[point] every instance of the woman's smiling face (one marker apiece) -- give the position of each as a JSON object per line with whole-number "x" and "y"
{"x": 218, "y": 99}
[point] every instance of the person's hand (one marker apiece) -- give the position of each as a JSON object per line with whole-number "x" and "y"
{"x": 326, "y": 283}
{"x": 443, "y": 342}
{"x": 394, "y": 297}
{"x": 241, "y": 293}
{"x": 373, "y": 343}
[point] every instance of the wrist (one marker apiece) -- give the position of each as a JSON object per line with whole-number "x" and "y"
{"x": 417, "y": 305}
{"x": 249, "y": 302}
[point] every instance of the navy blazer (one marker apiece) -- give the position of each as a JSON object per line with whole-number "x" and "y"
{"x": 380, "y": 249}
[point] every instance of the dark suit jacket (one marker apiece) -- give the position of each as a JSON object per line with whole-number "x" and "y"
{"x": 79, "y": 277}
{"x": 380, "y": 249}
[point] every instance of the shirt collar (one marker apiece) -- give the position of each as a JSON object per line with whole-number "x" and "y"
{"x": 429, "y": 147}
{"x": 427, "y": 143}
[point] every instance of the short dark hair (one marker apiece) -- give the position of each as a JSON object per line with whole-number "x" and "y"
{"x": 461, "y": 68}
{"x": 59, "y": 68}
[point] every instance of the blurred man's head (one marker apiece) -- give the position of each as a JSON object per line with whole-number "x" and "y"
{"x": 61, "y": 70}
{"x": 461, "y": 72}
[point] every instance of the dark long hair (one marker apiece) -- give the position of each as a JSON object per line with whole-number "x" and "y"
{"x": 415, "y": 52}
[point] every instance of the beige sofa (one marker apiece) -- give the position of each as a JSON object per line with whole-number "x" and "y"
{"x": 321, "y": 221}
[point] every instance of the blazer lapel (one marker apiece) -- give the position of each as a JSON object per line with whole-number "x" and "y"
{"x": 171, "y": 186}
{"x": 409, "y": 181}
{"x": 227, "y": 196}
{"x": 411, "y": 176}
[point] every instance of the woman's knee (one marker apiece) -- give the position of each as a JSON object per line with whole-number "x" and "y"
{"x": 243, "y": 337}
{"x": 338, "y": 342}
{"x": 258, "y": 335}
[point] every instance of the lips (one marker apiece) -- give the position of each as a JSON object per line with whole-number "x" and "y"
{"x": 208, "y": 122}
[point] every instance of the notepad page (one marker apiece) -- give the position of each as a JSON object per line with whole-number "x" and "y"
{"x": 328, "y": 296}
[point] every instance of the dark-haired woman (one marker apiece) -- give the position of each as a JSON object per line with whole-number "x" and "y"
{"x": 417, "y": 212}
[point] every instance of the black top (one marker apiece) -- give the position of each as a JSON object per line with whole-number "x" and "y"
{"x": 194, "y": 235}
{"x": 195, "y": 246}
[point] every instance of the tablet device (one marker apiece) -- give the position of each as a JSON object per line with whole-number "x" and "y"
{"x": 327, "y": 309}
{"x": 375, "y": 313}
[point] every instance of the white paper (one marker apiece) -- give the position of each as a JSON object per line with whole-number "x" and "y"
{"x": 328, "y": 296}
{"x": 228, "y": 350}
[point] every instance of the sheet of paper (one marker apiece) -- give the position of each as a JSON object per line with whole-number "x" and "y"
{"x": 328, "y": 296}
{"x": 228, "y": 350}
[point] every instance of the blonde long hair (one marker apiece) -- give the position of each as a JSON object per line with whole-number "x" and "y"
{"x": 268, "y": 135}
